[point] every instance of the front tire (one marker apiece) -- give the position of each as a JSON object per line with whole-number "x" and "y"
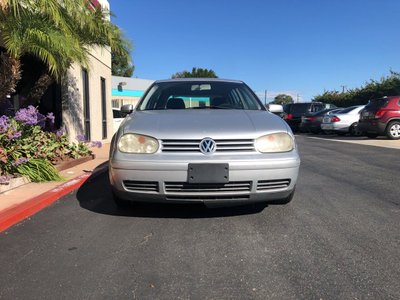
{"x": 393, "y": 130}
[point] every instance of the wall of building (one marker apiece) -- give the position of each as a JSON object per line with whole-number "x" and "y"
{"x": 73, "y": 91}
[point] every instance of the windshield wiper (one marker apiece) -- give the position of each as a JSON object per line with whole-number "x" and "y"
{"x": 210, "y": 107}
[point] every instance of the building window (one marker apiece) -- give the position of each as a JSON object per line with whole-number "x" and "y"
{"x": 86, "y": 103}
{"x": 104, "y": 106}
{"x": 115, "y": 103}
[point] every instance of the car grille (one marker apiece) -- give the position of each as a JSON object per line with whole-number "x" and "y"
{"x": 222, "y": 145}
{"x": 264, "y": 185}
{"x": 184, "y": 187}
{"x": 204, "y": 197}
{"x": 141, "y": 186}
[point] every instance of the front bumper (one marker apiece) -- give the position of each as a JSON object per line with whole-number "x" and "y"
{"x": 250, "y": 180}
{"x": 335, "y": 127}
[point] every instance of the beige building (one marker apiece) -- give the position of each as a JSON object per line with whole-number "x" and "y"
{"x": 81, "y": 103}
{"x": 128, "y": 90}
{"x": 86, "y": 98}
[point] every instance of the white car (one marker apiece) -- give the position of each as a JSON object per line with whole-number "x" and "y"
{"x": 345, "y": 121}
{"x": 117, "y": 119}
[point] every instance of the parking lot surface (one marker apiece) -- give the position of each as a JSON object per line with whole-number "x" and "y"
{"x": 338, "y": 239}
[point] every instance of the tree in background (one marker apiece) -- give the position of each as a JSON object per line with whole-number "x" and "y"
{"x": 387, "y": 86}
{"x": 282, "y": 99}
{"x": 58, "y": 33}
{"x": 122, "y": 62}
{"x": 196, "y": 73}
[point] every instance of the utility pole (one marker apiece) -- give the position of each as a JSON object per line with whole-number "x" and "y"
{"x": 265, "y": 98}
{"x": 297, "y": 98}
{"x": 343, "y": 88}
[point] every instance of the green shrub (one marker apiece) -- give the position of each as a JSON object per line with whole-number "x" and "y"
{"x": 27, "y": 149}
{"x": 39, "y": 170}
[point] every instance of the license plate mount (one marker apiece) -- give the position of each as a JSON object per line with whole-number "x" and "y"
{"x": 208, "y": 173}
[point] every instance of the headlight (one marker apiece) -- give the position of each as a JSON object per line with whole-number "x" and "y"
{"x": 275, "y": 142}
{"x": 136, "y": 143}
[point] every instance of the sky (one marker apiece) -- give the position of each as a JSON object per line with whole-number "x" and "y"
{"x": 295, "y": 47}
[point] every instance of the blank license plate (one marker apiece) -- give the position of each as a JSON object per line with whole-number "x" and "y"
{"x": 208, "y": 173}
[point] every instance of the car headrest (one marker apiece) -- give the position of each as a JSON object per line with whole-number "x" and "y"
{"x": 217, "y": 101}
{"x": 176, "y": 103}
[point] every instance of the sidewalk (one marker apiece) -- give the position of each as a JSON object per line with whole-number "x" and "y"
{"x": 24, "y": 201}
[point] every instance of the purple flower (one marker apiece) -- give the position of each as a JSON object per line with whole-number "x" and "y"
{"x": 4, "y": 124}
{"x": 81, "y": 138}
{"x": 13, "y": 134}
{"x": 20, "y": 161}
{"x": 97, "y": 144}
{"x": 30, "y": 116}
{"x": 50, "y": 117}
{"x": 41, "y": 120}
{"x": 60, "y": 132}
{"x": 5, "y": 179}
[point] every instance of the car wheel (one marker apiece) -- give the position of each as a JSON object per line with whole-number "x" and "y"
{"x": 354, "y": 131}
{"x": 284, "y": 200}
{"x": 371, "y": 135}
{"x": 393, "y": 130}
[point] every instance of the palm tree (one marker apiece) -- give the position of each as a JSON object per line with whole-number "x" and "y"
{"x": 57, "y": 33}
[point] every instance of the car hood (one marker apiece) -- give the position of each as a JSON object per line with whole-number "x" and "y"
{"x": 200, "y": 123}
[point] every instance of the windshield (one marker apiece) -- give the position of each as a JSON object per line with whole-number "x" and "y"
{"x": 377, "y": 103}
{"x": 300, "y": 108}
{"x": 349, "y": 109}
{"x": 199, "y": 95}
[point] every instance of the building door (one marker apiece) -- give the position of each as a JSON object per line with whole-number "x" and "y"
{"x": 103, "y": 107}
{"x": 86, "y": 103}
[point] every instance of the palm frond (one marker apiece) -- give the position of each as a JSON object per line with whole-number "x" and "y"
{"x": 58, "y": 32}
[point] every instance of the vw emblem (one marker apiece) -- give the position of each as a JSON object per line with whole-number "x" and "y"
{"x": 208, "y": 146}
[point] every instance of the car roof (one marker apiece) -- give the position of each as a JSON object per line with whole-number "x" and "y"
{"x": 198, "y": 80}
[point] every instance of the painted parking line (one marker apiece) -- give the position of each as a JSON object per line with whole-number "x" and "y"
{"x": 334, "y": 140}
{"x": 394, "y": 144}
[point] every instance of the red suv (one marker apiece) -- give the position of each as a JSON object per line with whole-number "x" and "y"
{"x": 381, "y": 117}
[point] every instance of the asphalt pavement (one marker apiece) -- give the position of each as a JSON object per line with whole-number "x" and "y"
{"x": 338, "y": 239}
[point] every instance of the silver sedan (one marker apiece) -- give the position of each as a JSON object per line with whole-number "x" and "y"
{"x": 344, "y": 121}
{"x": 202, "y": 140}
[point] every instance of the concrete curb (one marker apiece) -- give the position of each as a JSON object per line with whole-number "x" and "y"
{"x": 19, "y": 212}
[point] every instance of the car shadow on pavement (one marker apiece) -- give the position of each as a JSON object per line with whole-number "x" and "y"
{"x": 95, "y": 195}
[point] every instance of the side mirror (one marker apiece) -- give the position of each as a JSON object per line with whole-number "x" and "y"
{"x": 275, "y": 108}
{"x": 126, "y": 109}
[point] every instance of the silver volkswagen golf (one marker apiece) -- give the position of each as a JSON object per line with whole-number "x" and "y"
{"x": 202, "y": 140}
